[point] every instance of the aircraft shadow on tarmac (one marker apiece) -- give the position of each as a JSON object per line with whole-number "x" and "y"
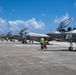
{"x": 56, "y": 50}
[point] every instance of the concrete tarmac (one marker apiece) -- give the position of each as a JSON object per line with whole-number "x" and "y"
{"x": 28, "y": 59}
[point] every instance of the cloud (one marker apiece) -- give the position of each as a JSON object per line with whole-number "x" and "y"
{"x": 2, "y": 22}
{"x": 34, "y": 24}
{"x": 6, "y": 26}
{"x": 1, "y": 9}
{"x": 3, "y": 25}
{"x": 58, "y": 20}
{"x": 16, "y": 23}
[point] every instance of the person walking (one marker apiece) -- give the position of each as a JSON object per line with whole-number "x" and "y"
{"x": 45, "y": 45}
{"x": 42, "y": 42}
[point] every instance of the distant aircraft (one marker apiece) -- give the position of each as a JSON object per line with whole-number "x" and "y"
{"x": 5, "y": 36}
{"x": 19, "y": 35}
{"x": 10, "y": 36}
{"x": 61, "y": 33}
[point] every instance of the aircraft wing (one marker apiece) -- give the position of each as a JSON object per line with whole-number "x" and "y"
{"x": 36, "y": 36}
{"x": 56, "y": 35}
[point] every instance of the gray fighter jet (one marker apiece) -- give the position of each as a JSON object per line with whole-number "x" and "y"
{"x": 36, "y": 37}
{"x": 19, "y": 35}
{"x": 66, "y": 35}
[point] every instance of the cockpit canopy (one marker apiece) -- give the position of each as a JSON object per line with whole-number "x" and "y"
{"x": 64, "y": 24}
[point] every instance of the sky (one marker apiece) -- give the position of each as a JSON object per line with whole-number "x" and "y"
{"x": 40, "y": 16}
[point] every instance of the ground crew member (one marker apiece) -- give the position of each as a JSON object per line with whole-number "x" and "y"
{"x": 6, "y": 38}
{"x": 45, "y": 45}
{"x": 42, "y": 42}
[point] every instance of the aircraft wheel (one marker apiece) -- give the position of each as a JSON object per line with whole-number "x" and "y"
{"x": 22, "y": 42}
{"x": 70, "y": 48}
{"x": 47, "y": 43}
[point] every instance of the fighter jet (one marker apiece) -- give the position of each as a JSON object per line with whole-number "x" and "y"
{"x": 66, "y": 35}
{"x": 10, "y": 36}
{"x": 36, "y": 37}
{"x": 19, "y": 35}
{"x": 5, "y": 36}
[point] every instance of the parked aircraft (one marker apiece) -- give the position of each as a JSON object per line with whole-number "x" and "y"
{"x": 36, "y": 37}
{"x": 5, "y": 36}
{"x": 19, "y": 35}
{"x": 62, "y": 34}
{"x": 10, "y": 36}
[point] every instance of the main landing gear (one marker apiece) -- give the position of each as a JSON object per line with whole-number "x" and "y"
{"x": 70, "y": 37}
{"x": 71, "y": 46}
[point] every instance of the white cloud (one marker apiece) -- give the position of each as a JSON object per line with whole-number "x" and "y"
{"x": 17, "y": 22}
{"x": 32, "y": 23}
{"x": 2, "y": 22}
{"x": 58, "y": 20}
{"x": 16, "y": 25}
{"x": 3, "y": 25}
